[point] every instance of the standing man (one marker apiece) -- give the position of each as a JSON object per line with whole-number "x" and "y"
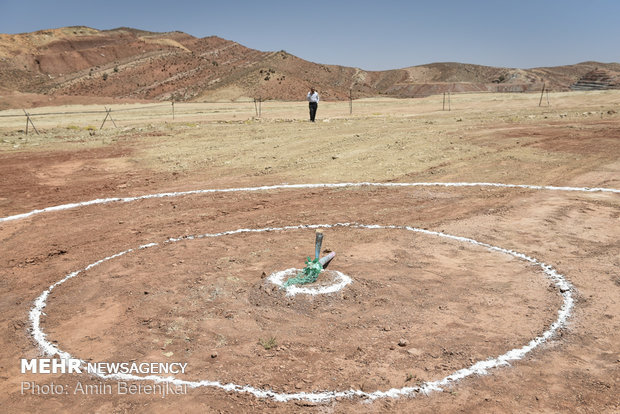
{"x": 313, "y": 98}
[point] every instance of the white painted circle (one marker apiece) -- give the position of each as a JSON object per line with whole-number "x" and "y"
{"x": 278, "y": 279}
{"x": 298, "y": 187}
{"x": 478, "y": 368}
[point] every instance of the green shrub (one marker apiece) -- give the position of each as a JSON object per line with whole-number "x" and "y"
{"x": 268, "y": 343}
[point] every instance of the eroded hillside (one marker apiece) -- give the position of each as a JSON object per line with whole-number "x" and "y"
{"x": 76, "y": 62}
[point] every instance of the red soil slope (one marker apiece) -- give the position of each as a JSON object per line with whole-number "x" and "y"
{"x": 132, "y": 64}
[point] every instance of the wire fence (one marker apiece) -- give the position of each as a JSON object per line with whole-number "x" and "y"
{"x": 244, "y": 110}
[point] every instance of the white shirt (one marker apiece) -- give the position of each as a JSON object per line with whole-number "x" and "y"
{"x": 313, "y": 97}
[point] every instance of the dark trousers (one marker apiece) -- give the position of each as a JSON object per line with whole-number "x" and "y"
{"x": 313, "y": 106}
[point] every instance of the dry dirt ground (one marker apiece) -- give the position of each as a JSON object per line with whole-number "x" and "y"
{"x": 419, "y": 308}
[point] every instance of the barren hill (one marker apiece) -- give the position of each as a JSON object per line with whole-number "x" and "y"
{"x": 69, "y": 64}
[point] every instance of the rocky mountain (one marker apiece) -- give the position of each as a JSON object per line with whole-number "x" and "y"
{"x": 76, "y": 62}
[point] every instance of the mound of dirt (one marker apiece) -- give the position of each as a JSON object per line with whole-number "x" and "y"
{"x": 266, "y": 293}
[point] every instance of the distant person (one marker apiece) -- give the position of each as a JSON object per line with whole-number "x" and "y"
{"x": 313, "y": 98}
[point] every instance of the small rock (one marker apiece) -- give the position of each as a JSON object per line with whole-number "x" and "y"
{"x": 305, "y": 404}
{"x": 214, "y": 355}
{"x": 414, "y": 351}
{"x": 18, "y": 324}
{"x": 402, "y": 342}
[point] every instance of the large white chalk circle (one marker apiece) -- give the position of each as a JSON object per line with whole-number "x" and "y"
{"x": 478, "y": 368}
{"x": 294, "y": 187}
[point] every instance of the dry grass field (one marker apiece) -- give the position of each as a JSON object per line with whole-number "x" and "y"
{"x": 420, "y": 307}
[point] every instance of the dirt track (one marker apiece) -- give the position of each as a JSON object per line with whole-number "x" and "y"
{"x": 452, "y": 304}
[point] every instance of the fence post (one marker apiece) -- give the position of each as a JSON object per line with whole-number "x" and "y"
{"x": 173, "y": 109}
{"x": 541, "y": 94}
{"x": 108, "y": 114}
{"x": 351, "y": 101}
{"x": 29, "y": 120}
{"x": 112, "y": 119}
{"x": 104, "y": 119}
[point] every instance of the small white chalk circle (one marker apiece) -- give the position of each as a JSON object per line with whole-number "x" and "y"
{"x": 340, "y": 281}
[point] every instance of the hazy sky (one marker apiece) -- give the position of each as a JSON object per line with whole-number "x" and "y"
{"x": 372, "y": 35}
